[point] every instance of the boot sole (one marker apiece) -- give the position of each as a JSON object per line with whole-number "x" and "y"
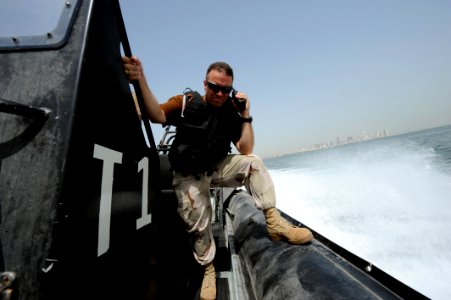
{"x": 278, "y": 237}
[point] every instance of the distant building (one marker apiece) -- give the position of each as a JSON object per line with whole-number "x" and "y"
{"x": 348, "y": 140}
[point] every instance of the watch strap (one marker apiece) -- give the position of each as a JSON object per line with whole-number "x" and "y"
{"x": 248, "y": 120}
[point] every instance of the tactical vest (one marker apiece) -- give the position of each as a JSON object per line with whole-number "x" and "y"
{"x": 204, "y": 134}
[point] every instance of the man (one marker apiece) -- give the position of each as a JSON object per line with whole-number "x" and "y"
{"x": 199, "y": 157}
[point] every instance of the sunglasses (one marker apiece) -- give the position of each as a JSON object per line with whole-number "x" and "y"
{"x": 216, "y": 88}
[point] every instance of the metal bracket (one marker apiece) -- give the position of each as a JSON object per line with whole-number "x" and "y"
{"x": 166, "y": 140}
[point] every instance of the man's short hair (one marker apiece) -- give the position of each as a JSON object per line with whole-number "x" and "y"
{"x": 221, "y": 67}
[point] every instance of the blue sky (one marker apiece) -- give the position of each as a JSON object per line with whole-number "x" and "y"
{"x": 314, "y": 70}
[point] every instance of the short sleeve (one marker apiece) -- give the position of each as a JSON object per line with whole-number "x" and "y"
{"x": 172, "y": 109}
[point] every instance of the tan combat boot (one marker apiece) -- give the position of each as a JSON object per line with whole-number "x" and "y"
{"x": 208, "y": 289}
{"x": 279, "y": 228}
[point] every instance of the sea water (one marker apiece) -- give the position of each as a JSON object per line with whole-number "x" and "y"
{"x": 387, "y": 200}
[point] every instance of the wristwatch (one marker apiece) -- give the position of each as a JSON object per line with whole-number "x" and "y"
{"x": 244, "y": 120}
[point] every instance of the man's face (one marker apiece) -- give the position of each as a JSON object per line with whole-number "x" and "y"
{"x": 217, "y": 87}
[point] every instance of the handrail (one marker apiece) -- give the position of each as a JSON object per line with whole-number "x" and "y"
{"x": 39, "y": 116}
{"x": 128, "y": 53}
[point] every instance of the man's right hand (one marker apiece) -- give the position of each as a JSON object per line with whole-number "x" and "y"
{"x": 133, "y": 68}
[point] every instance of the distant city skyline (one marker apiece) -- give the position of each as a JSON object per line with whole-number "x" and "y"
{"x": 339, "y": 141}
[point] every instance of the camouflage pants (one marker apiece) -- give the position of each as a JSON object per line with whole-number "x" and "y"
{"x": 194, "y": 204}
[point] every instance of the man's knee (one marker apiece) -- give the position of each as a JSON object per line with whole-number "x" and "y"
{"x": 256, "y": 163}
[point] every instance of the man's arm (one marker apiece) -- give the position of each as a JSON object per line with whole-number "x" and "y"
{"x": 134, "y": 71}
{"x": 245, "y": 144}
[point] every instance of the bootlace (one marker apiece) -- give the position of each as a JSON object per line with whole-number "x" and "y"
{"x": 209, "y": 276}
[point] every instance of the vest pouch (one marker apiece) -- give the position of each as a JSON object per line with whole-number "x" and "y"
{"x": 188, "y": 159}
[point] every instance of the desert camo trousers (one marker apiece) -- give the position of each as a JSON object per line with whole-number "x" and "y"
{"x": 194, "y": 204}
